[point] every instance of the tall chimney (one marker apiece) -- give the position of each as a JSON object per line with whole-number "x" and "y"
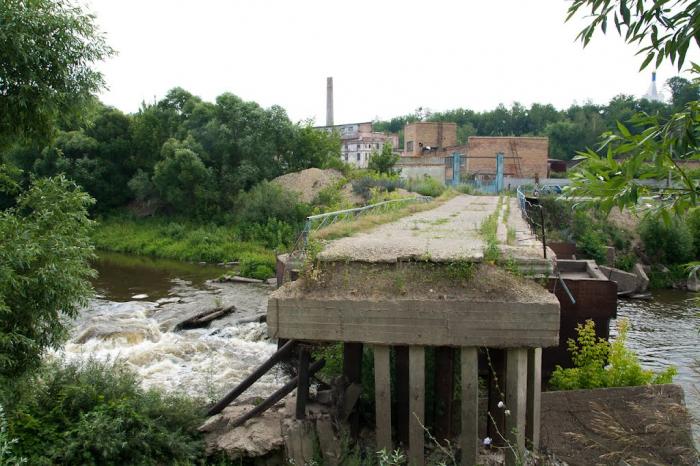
{"x": 329, "y": 101}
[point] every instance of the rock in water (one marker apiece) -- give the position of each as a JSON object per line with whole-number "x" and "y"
{"x": 140, "y": 296}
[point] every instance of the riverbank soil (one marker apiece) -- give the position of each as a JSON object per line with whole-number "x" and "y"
{"x": 637, "y": 425}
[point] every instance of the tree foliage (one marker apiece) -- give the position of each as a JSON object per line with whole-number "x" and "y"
{"x": 44, "y": 270}
{"x": 651, "y": 146}
{"x": 384, "y": 161}
{"x": 662, "y": 29}
{"x": 48, "y": 48}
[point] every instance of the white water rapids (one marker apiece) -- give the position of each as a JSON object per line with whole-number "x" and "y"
{"x": 203, "y": 362}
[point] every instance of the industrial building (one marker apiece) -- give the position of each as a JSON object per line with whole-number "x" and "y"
{"x": 427, "y": 144}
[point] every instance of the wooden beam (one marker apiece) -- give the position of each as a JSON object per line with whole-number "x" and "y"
{"x": 495, "y": 422}
{"x": 277, "y": 396}
{"x": 416, "y": 434}
{"x": 352, "y": 370}
{"x": 516, "y": 389}
{"x": 469, "y": 437}
{"x": 444, "y": 393}
{"x": 382, "y": 397}
{"x": 303, "y": 388}
{"x": 401, "y": 394}
{"x": 281, "y": 353}
{"x": 534, "y": 397}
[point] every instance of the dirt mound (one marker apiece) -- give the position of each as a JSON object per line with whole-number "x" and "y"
{"x": 308, "y": 183}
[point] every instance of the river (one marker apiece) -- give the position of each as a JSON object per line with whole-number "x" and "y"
{"x": 200, "y": 362}
{"x": 207, "y": 362}
{"x": 663, "y": 332}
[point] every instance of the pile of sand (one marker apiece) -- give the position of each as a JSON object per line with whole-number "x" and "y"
{"x": 308, "y": 183}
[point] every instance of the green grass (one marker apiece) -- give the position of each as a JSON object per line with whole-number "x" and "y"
{"x": 181, "y": 240}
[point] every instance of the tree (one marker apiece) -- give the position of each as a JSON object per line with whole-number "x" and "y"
{"x": 183, "y": 181}
{"x": 657, "y": 146}
{"x": 383, "y": 162}
{"x": 44, "y": 270}
{"x": 47, "y": 48}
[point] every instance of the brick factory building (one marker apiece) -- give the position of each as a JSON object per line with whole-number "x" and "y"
{"x": 525, "y": 157}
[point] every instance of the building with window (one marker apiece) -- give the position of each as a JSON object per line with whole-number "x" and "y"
{"x": 359, "y": 141}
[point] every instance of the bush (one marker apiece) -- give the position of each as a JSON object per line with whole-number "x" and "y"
{"x": 693, "y": 222}
{"x": 267, "y": 201}
{"x": 427, "y": 186}
{"x": 599, "y": 364}
{"x": 363, "y": 186}
{"x": 665, "y": 243}
{"x": 260, "y": 266}
{"x": 96, "y": 413}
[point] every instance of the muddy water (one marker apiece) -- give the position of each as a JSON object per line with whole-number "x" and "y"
{"x": 201, "y": 362}
{"x": 663, "y": 332}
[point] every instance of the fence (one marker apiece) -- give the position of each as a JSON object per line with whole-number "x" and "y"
{"x": 316, "y": 222}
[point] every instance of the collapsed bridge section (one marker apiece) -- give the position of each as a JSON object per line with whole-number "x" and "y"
{"x": 423, "y": 282}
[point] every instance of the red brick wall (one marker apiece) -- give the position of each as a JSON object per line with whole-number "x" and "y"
{"x": 427, "y": 133}
{"x": 532, "y": 151}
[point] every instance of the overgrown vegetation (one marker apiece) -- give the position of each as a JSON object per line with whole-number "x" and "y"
{"x": 489, "y": 230}
{"x": 97, "y": 413}
{"x": 185, "y": 241}
{"x": 600, "y": 364}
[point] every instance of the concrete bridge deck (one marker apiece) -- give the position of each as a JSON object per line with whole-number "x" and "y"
{"x": 450, "y": 232}
{"x": 423, "y": 281}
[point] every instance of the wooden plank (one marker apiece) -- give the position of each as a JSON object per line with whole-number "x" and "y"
{"x": 416, "y": 383}
{"x": 516, "y": 388}
{"x": 469, "y": 437}
{"x": 534, "y": 397}
{"x": 303, "y": 388}
{"x": 496, "y": 360}
{"x": 352, "y": 371}
{"x": 382, "y": 397}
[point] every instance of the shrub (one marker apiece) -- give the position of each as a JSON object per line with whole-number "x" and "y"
{"x": 267, "y": 201}
{"x": 666, "y": 243}
{"x": 363, "y": 185}
{"x": 427, "y": 186}
{"x": 260, "y": 266}
{"x": 465, "y": 188}
{"x": 97, "y": 413}
{"x": 274, "y": 234}
{"x": 693, "y": 222}
{"x": 599, "y": 364}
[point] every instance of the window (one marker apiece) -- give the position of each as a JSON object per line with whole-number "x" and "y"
{"x": 358, "y": 156}
{"x": 376, "y": 146}
{"x": 346, "y": 157}
{"x": 409, "y": 146}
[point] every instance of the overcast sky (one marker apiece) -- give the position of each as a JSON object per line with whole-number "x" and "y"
{"x": 387, "y": 58}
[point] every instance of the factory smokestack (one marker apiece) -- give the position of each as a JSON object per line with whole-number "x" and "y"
{"x": 329, "y": 101}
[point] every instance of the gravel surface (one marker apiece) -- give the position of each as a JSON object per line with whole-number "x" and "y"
{"x": 308, "y": 183}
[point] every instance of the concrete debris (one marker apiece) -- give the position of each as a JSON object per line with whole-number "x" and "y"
{"x": 238, "y": 279}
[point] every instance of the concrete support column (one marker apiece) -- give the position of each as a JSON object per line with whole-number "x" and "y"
{"x": 416, "y": 376}
{"x": 469, "y": 437}
{"x": 382, "y": 397}
{"x": 516, "y": 391}
{"x": 534, "y": 396}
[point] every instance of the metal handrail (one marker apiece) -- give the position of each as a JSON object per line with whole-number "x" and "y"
{"x": 316, "y": 222}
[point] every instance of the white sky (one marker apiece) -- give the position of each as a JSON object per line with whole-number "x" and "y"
{"x": 387, "y": 58}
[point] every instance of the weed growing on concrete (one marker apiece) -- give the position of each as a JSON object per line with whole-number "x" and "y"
{"x": 488, "y": 231}
{"x": 510, "y": 239}
{"x": 461, "y": 270}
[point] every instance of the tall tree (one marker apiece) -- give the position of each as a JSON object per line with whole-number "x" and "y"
{"x": 48, "y": 48}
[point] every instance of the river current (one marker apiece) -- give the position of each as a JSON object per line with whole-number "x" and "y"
{"x": 207, "y": 362}
{"x": 202, "y": 362}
